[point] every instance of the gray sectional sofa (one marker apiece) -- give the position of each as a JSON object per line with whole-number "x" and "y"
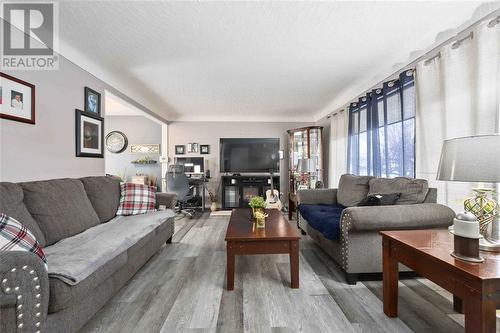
{"x": 91, "y": 253}
{"x": 358, "y": 245}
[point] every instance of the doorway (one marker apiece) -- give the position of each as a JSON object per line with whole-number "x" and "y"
{"x": 135, "y": 143}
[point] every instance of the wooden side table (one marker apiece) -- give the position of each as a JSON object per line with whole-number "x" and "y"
{"x": 476, "y": 287}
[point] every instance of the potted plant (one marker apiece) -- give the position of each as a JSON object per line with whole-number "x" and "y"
{"x": 213, "y": 200}
{"x": 257, "y": 204}
{"x": 213, "y": 196}
{"x": 122, "y": 176}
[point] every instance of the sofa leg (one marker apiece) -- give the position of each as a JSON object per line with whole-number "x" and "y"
{"x": 169, "y": 240}
{"x": 351, "y": 278}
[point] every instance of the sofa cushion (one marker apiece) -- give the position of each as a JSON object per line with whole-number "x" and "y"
{"x": 380, "y": 200}
{"x": 60, "y": 207}
{"x": 11, "y": 204}
{"x": 63, "y": 295}
{"x": 14, "y": 236}
{"x": 104, "y": 194}
{"x": 136, "y": 199}
{"x": 352, "y": 189}
{"x": 323, "y": 218}
{"x": 80, "y": 263}
{"x": 75, "y": 258}
{"x": 413, "y": 191}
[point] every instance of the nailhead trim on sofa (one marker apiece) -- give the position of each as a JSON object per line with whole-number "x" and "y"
{"x": 345, "y": 225}
{"x": 7, "y": 288}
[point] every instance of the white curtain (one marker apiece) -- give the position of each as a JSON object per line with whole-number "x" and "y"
{"x": 338, "y": 147}
{"x": 458, "y": 94}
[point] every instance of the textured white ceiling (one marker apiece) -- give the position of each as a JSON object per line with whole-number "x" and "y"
{"x": 258, "y": 61}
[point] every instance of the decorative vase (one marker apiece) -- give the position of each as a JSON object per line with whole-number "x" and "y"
{"x": 261, "y": 223}
{"x": 213, "y": 206}
{"x": 483, "y": 207}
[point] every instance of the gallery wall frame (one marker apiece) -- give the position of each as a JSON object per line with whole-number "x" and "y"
{"x": 180, "y": 149}
{"x": 17, "y": 99}
{"x": 92, "y": 101}
{"x": 89, "y": 132}
{"x": 204, "y": 149}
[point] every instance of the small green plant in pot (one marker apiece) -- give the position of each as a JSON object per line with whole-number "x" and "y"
{"x": 257, "y": 204}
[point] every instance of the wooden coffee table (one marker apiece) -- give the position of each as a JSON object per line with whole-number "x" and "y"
{"x": 243, "y": 237}
{"x": 427, "y": 252}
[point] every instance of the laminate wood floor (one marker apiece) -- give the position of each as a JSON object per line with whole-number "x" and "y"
{"x": 182, "y": 289}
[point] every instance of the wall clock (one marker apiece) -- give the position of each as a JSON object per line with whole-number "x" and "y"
{"x": 116, "y": 142}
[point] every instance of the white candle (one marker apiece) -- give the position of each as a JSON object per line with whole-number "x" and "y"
{"x": 468, "y": 229}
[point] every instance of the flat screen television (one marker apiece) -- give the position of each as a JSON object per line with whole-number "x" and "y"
{"x": 249, "y": 155}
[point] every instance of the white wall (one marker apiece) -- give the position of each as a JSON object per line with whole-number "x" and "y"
{"x": 181, "y": 133}
{"x": 47, "y": 149}
{"x": 139, "y": 130}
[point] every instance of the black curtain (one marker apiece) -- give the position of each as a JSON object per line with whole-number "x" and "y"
{"x": 382, "y": 130}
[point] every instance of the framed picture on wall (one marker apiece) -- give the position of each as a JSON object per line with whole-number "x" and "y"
{"x": 145, "y": 148}
{"x": 204, "y": 149}
{"x": 180, "y": 149}
{"x": 92, "y": 101}
{"x": 192, "y": 147}
{"x": 17, "y": 99}
{"x": 89, "y": 135}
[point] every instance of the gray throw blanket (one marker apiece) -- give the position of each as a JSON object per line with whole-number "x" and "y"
{"x": 75, "y": 258}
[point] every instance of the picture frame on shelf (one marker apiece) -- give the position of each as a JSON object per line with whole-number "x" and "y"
{"x": 180, "y": 149}
{"x": 17, "y": 99}
{"x": 92, "y": 101}
{"x": 204, "y": 149}
{"x": 192, "y": 148}
{"x": 89, "y": 134}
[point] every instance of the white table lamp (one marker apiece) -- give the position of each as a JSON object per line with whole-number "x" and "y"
{"x": 475, "y": 159}
{"x": 304, "y": 165}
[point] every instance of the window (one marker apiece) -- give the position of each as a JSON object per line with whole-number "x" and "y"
{"x": 382, "y": 130}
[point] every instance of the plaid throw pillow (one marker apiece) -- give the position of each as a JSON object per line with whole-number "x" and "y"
{"x": 14, "y": 236}
{"x": 136, "y": 199}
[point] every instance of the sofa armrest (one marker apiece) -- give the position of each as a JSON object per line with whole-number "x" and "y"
{"x": 24, "y": 288}
{"x": 398, "y": 217}
{"x": 167, "y": 199}
{"x": 317, "y": 196}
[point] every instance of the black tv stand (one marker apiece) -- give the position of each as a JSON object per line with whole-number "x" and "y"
{"x": 237, "y": 190}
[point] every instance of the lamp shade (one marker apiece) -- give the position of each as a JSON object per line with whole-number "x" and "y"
{"x": 304, "y": 165}
{"x": 471, "y": 159}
